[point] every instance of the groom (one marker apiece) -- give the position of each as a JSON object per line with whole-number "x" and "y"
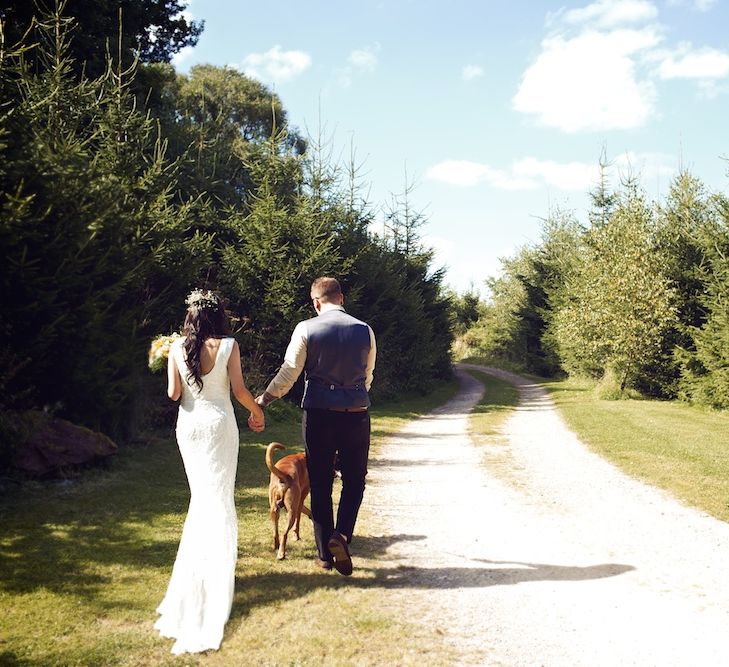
{"x": 337, "y": 353}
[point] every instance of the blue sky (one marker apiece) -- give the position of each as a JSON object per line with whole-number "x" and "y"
{"x": 497, "y": 111}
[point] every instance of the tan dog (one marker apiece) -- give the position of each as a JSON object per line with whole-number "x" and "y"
{"x": 288, "y": 488}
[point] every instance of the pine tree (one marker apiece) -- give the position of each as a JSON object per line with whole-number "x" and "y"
{"x": 705, "y": 368}
{"x": 281, "y": 245}
{"x": 619, "y": 303}
{"x": 90, "y": 233}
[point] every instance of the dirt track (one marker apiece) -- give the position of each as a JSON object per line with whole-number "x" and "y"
{"x": 545, "y": 554}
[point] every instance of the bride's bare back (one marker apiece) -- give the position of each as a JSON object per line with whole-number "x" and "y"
{"x": 208, "y": 354}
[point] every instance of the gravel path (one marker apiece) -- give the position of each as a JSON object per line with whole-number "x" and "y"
{"x": 545, "y": 554}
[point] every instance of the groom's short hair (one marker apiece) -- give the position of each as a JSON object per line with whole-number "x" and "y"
{"x": 325, "y": 289}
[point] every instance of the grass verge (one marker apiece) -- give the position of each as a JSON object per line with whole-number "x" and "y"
{"x": 84, "y": 563}
{"x": 498, "y": 400}
{"x": 677, "y": 447}
{"x": 486, "y": 420}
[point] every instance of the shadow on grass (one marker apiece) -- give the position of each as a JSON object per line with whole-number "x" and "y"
{"x": 10, "y": 659}
{"x": 63, "y": 561}
{"x": 65, "y": 537}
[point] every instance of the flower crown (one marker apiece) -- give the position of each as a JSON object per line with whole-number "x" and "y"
{"x": 202, "y": 299}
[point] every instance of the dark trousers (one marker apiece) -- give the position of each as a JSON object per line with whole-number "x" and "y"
{"x": 326, "y": 434}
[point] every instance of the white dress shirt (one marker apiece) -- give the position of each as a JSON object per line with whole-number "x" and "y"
{"x": 295, "y": 358}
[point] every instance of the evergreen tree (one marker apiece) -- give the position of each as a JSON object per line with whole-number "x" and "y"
{"x": 682, "y": 222}
{"x": 105, "y": 228}
{"x": 705, "y": 364}
{"x": 516, "y": 325}
{"x": 619, "y": 303}
{"x": 465, "y": 309}
{"x": 92, "y": 240}
{"x": 403, "y": 222}
{"x": 280, "y": 247}
{"x": 604, "y": 199}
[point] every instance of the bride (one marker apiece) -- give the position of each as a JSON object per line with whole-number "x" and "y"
{"x": 203, "y": 366}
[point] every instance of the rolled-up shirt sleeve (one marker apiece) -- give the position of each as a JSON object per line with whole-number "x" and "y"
{"x": 371, "y": 357}
{"x": 292, "y": 365}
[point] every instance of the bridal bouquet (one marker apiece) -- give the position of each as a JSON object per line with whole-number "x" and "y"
{"x": 159, "y": 350}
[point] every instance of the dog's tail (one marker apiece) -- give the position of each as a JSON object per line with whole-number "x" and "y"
{"x": 272, "y": 447}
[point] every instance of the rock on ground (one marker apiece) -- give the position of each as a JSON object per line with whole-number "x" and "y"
{"x": 49, "y": 445}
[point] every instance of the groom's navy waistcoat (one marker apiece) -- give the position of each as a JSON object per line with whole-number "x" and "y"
{"x": 336, "y": 361}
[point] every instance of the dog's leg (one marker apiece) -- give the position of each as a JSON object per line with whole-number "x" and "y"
{"x": 291, "y": 501}
{"x": 274, "y": 512}
{"x": 301, "y": 509}
{"x": 304, "y": 508}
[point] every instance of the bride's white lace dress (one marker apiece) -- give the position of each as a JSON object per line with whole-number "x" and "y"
{"x": 199, "y": 597}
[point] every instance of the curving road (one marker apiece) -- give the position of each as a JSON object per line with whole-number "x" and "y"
{"x": 534, "y": 551}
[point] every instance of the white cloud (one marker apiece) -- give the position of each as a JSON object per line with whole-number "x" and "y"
{"x": 276, "y": 65}
{"x": 181, "y": 56}
{"x": 470, "y": 72}
{"x": 364, "y": 59}
{"x": 700, "y": 5}
{"x": 589, "y": 82}
{"x": 704, "y": 64}
{"x": 465, "y": 173}
{"x": 529, "y": 172}
{"x": 599, "y": 65}
{"x": 359, "y": 60}
{"x": 611, "y": 13}
{"x": 525, "y": 173}
{"x": 575, "y": 176}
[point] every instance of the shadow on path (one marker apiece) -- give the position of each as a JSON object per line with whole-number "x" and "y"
{"x": 476, "y": 577}
{"x": 263, "y": 589}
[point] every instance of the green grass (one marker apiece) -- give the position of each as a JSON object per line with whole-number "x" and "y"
{"x": 677, "y": 447}
{"x": 487, "y": 418}
{"x": 499, "y": 399}
{"x": 84, "y": 563}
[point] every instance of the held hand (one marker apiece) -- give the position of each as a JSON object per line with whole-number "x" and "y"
{"x": 260, "y": 400}
{"x": 256, "y": 423}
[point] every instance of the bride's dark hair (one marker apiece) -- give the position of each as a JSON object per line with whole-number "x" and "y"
{"x": 205, "y": 319}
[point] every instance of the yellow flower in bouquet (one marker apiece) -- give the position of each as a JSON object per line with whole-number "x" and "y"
{"x": 159, "y": 350}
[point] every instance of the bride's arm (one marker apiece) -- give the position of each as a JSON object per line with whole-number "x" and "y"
{"x": 174, "y": 385}
{"x": 240, "y": 391}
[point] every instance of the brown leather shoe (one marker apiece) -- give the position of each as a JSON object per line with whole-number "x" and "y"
{"x": 342, "y": 560}
{"x": 323, "y": 564}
